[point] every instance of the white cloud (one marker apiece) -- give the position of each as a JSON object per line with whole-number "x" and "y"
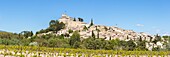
{"x": 139, "y": 25}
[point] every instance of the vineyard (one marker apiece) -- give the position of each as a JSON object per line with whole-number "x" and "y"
{"x": 34, "y": 51}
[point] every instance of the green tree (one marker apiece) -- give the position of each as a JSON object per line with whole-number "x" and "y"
{"x": 157, "y": 38}
{"x": 8, "y": 35}
{"x": 98, "y": 33}
{"x": 55, "y": 26}
{"x": 42, "y": 31}
{"x": 52, "y": 42}
{"x": 113, "y": 44}
{"x": 105, "y": 28}
{"x": 75, "y": 37}
{"x": 76, "y": 44}
{"x": 91, "y": 23}
{"x": 127, "y": 45}
{"x": 27, "y": 33}
{"x": 24, "y": 42}
{"x": 74, "y": 19}
{"x": 141, "y": 45}
{"x": 89, "y": 43}
{"x": 99, "y": 44}
{"x": 85, "y": 28}
{"x": 70, "y": 31}
{"x": 167, "y": 38}
{"x": 156, "y": 49}
{"x": 80, "y": 19}
{"x": 130, "y": 45}
{"x": 93, "y": 35}
{"x": 52, "y": 22}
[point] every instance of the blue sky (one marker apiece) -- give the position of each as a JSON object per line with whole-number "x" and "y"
{"x": 150, "y": 16}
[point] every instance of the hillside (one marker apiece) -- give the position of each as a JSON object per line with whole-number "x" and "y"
{"x": 2, "y": 31}
{"x": 87, "y": 30}
{"x": 68, "y": 32}
{"x": 100, "y": 31}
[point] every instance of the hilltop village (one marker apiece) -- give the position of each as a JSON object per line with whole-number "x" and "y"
{"x": 86, "y": 30}
{"x": 70, "y": 32}
{"x": 106, "y": 32}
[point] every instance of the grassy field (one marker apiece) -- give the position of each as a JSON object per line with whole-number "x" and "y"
{"x": 33, "y": 51}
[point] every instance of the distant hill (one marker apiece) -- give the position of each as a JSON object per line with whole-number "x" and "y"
{"x": 2, "y": 31}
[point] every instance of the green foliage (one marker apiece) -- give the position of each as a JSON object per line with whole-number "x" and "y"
{"x": 9, "y": 35}
{"x": 60, "y": 36}
{"x": 105, "y": 28}
{"x": 75, "y": 37}
{"x": 74, "y": 19}
{"x": 112, "y": 45}
{"x": 76, "y": 44}
{"x": 55, "y": 42}
{"x": 130, "y": 45}
{"x": 156, "y": 49}
{"x": 157, "y": 38}
{"x": 167, "y": 38}
{"x": 70, "y": 31}
{"x": 12, "y": 41}
{"x": 52, "y": 22}
{"x": 85, "y": 28}
{"x": 141, "y": 45}
{"x": 99, "y": 43}
{"x": 80, "y": 19}
{"x": 56, "y": 26}
{"x": 52, "y": 42}
{"x": 89, "y": 43}
{"x": 42, "y": 31}
{"x": 98, "y": 33}
{"x": 27, "y": 33}
{"x": 24, "y": 42}
{"x": 91, "y": 23}
{"x": 93, "y": 35}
